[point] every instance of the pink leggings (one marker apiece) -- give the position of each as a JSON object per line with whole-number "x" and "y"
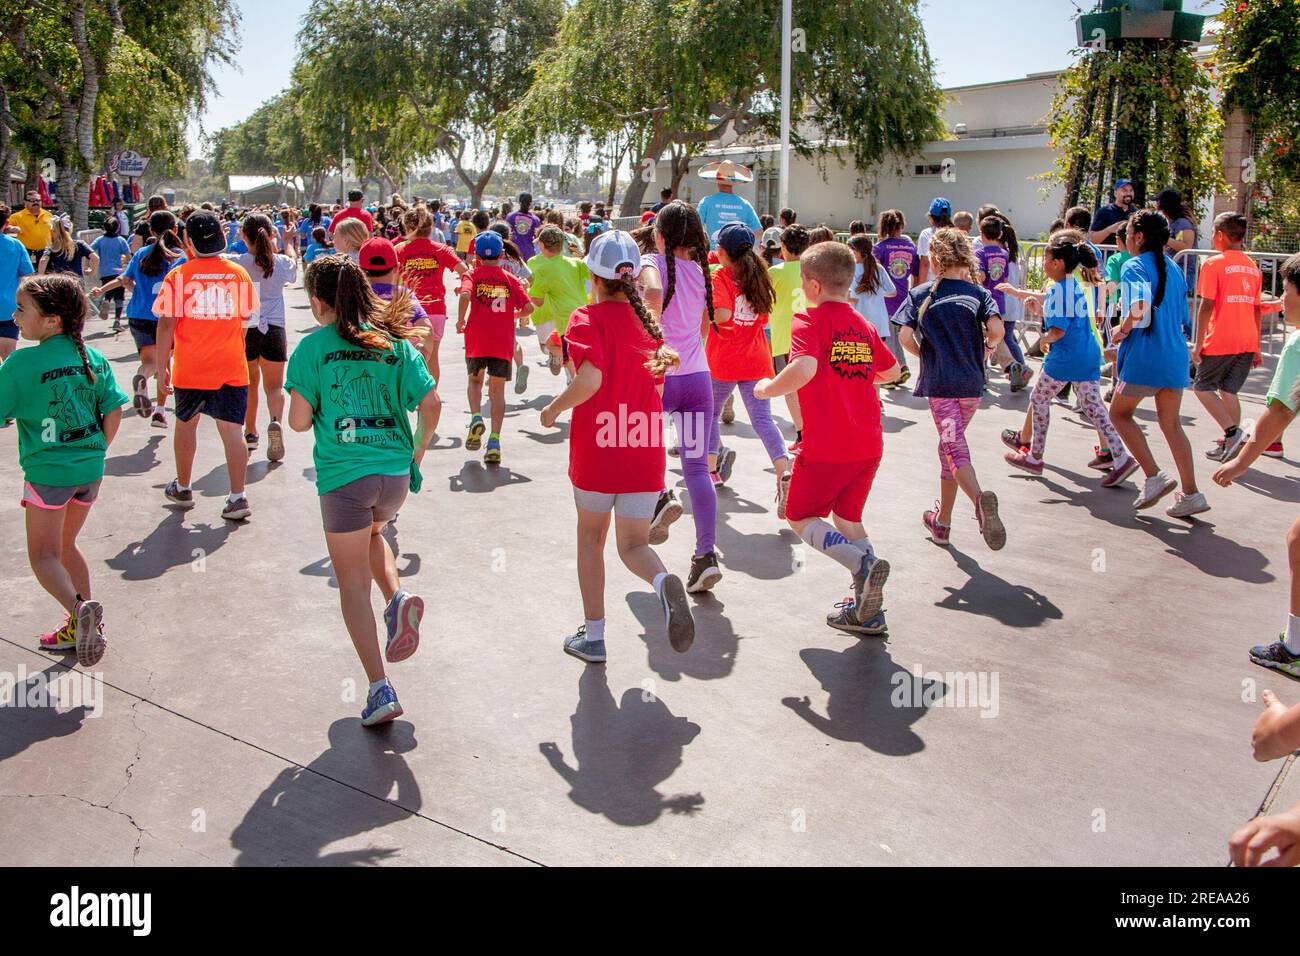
{"x": 1089, "y": 396}
{"x": 951, "y": 416}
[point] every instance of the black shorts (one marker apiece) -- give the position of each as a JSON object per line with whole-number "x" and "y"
{"x": 496, "y": 367}
{"x": 1223, "y": 373}
{"x": 270, "y": 345}
{"x": 780, "y": 361}
{"x": 143, "y": 331}
{"x": 229, "y": 403}
{"x": 113, "y": 295}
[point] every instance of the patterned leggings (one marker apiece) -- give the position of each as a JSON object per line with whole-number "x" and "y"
{"x": 1089, "y": 394}
{"x": 951, "y": 416}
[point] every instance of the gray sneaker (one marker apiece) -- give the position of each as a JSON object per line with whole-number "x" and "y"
{"x": 1185, "y": 506}
{"x": 237, "y": 510}
{"x": 275, "y": 442}
{"x": 869, "y": 587}
{"x": 1153, "y": 489}
{"x": 1277, "y": 657}
{"x": 521, "y": 379}
{"x": 175, "y": 495}
{"x": 593, "y": 652}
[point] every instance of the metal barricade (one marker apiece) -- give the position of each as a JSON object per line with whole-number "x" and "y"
{"x": 1270, "y": 264}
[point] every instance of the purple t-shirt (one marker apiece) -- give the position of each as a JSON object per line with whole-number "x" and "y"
{"x": 994, "y": 265}
{"x": 523, "y": 226}
{"x": 681, "y": 320}
{"x": 386, "y": 291}
{"x": 900, "y": 259}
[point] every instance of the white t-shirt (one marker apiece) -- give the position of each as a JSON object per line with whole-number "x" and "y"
{"x": 1014, "y": 310}
{"x": 923, "y": 241}
{"x": 872, "y": 305}
{"x": 269, "y": 290}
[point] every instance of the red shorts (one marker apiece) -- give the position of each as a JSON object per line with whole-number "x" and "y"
{"x": 818, "y": 488}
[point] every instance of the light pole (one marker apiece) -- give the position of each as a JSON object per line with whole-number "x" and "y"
{"x": 787, "y": 28}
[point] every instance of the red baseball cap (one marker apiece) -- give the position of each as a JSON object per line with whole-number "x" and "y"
{"x": 378, "y": 256}
{"x": 647, "y": 216}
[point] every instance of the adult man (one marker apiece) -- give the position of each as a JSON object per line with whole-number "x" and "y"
{"x": 665, "y": 197}
{"x": 15, "y": 263}
{"x": 354, "y": 211}
{"x": 725, "y": 206}
{"x": 1113, "y": 215}
{"x": 33, "y": 226}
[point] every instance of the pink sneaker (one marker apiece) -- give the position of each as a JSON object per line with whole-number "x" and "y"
{"x": 1021, "y": 460}
{"x": 940, "y": 534}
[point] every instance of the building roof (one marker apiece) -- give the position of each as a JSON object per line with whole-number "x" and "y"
{"x": 248, "y": 184}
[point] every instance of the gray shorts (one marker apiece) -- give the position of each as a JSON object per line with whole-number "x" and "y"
{"x": 55, "y": 497}
{"x": 363, "y": 503}
{"x": 635, "y": 505}
{"x": 1223, "y": 373}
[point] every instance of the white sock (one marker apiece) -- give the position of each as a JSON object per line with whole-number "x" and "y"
{"x": 382, "y": 682}
{"x": 659, "y": 580}
{"x": 232, "y": 497}
{"x": 595, "y": 630}
{"x": 823, "y": 537}
{"x": 180, "y": 487}
{"x": 1292, "y": 639}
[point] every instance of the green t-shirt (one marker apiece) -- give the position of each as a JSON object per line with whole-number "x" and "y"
{"x": 1287, "y": 376}
{"x": 60, "y": 414}
{"x": 1114, "y": 264}
{"x": 361, "y": 400}
{"x": 561, "y": 283}
{"x": 787, "y": 280}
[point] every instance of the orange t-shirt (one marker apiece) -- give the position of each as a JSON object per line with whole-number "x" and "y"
{"x": 1233, "y": 282}
{"x": 209, "y": 298}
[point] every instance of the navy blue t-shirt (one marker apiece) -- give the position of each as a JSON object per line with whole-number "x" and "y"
{"x": 1107, "y": 216}
{"x": 952, "y": 337}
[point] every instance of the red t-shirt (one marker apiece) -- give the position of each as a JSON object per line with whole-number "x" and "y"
{"x": 495, "y": 298}
{"x": 841, "y": 408}
{"x": 616, "y": 436}
{"x": 350, "y": 213}
{"x": 422, "y": 262}
{"x": 737, "y": 351}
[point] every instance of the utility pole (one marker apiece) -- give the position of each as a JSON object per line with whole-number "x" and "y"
{"x": 787, "y": 28}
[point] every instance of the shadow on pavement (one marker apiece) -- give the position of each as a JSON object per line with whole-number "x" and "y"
{"x": 216, "y": 483}
{"x": 1196, "y": 543}
{"x": 301, "y": 813}
{"x": 478, "y": 479}
{"x": 711, "y": 657}
{"x": 986, "y": 594}
{"x": 140, "y": 462}
{"x": 170, "y": 545}
{"x": 1271, "y": 486}
{"x": 21, "y": 727}
{"x": 623, "y": 752}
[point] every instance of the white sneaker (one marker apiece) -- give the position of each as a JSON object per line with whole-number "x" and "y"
{"x": 1185, "y": 506}
{"x": 1153, "y": 489}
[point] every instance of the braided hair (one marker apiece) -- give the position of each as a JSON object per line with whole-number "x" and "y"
{"x": 63, "y": 297}
{"x": 361, "y": 317}
{"x": 664, "y": 357}
{"x": 681, "y": 228}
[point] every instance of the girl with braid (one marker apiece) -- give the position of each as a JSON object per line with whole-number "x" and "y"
{"x": 68, "y": 406}
{"x": 678, "y": 292}
{"x": 616, "y": 453}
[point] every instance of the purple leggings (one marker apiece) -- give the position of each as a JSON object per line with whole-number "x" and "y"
{"x": 688, "y": 399}
{"x": 760, "y": 417}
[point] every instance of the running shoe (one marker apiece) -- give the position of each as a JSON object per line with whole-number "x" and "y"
{"x": 1021, "y": 460}
{"x": 521, "y": 379}
{"x": 90, "y": 633}
{"x": 991, "y": 527}
{"x": 474, "y": 441}
{"x": 667, "y": 510}
{"x": 1120, "y": 472}
{"x": 1274, "y": 450}
{"x": 1103, "y": 459}
{"x": 716, "y": 479}
{"x": 64, "y": 639}
{"x": 554, "y": 362}
{"x": 275, "y": 442}
{"x": 705, "y": 573}
{"x": 381, "y": 707}
{"x": 681, "y": 625}
{"x": 1011, "y": 438}
{"x": 237, "y": 510}
{"x": 1015, "y": 376}
{"x": 904, "y": 376}
{"x": 1277, "y": 657}
{"x": 402, "y": 619}
{"x": 869, "y": 586}
{"x": 577, "y": 645}
{"x": 159, "y": 419}
{"x": 726, "y": 462}
{"x": 1153, "y": 489}
{"x": 1185, "y": 506}
{"x": 140, "y": 398}
{"x": 175, "y": 495}
{"x": 940, "y": 534}
{"x": 251, "y": 442}
{"x": 674, "y": 452}
{"x": 493, "y": 454}
{"x": 1026, "y": 376}
{"x": 118, "y": 326}
{"x": 845, "y": 618}
{"x": 729, "y": 410}
{"x": 782, "y": 495}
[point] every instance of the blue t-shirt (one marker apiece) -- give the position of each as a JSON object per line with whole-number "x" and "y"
{"x": 305, "y": 226}
{"x": 1075, "y": 357}
{"x": 314, "y": 250}
{"x": 140, "y": 305}
{"x": 112, "y": 252}
{"x": 237, "y": 247}
{"x": 952, "y": 337}
{"x": 719, "y": 209}
{"x": 15, "y": 262}
{"x": 1155, "y": 352}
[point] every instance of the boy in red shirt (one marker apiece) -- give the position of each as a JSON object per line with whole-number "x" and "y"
{"x": 423, "y": 264}
{"x": 494, "y": 299}
{"x": 1227, "y": 331}
{"x": 836, "y": 361}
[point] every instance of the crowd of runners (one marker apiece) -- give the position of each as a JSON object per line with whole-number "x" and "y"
{"x": 654, "y": 330}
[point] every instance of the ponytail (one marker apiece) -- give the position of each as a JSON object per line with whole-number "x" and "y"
{"x": 361, "y": 318}
{"x": 63, "y": 297}
{"x": 750, "y": 273}
{"x": 1072, "y": 249}
{"x": 257, "y": 230}
{"x": 869, "y": 284}
{"x": 663, "y": 358}
{"x": 166, "y": 246}
{"x": 1154, "y": 230}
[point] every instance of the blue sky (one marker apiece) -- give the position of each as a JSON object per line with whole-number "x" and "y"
{"x": 972, "y": 42}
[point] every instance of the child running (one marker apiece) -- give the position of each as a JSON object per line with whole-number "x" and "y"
{"x": 618, "y": 351}
{"x": 837, "y": 359}
{"x": 68, "y": 407}
{"x": 424, "y": 263}
{"x": 491, "y": 301}
{"x": 113, "y": 250}
{"x": 513, "y": 261}
{"x": 559, "y": 288}
{"x": 788, "y": 283}
{"x": 994, "y": 269}
{"x": 354, "y": 383}
{"x": 266, "y": 347}
{"x": 1074, "y": 357}
{"x": 952, "y": 324}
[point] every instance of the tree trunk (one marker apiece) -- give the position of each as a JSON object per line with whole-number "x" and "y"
{"x": 654, "y": 148}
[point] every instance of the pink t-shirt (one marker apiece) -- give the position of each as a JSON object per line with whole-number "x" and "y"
{"x": 681, "y": 320}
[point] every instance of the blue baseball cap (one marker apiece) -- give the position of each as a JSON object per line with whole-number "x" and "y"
{"x": 940, "y": 207}
{"x": 488, "y": 245}
{"x": 1121, "y": 183}
{"x": 735, "y": 238}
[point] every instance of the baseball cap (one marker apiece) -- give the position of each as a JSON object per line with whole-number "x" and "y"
{"x": 204, "y": 231}
{"x": 613, "y": 254}
{"x": 736, "y": 237}
{"x": 1121, "y": 183}
{"x": 940, "y": 207}
{"x": 647, "y": 216}
{"x": 378, "y": 256}
{"x": 488, "y": 245}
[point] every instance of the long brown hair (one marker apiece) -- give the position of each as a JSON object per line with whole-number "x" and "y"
{"x": 891, "y": 223}
{"x": 63, "y": 297}
{"x": 680, "y": 225}
{"x": 750, "y": 273}
{"x": 339, "y": 282}
{"x": 257, "y": 230}
{"x": 166, "y": 247}
{"x": 664, "y": 357}
{"x": 869, "y": 284}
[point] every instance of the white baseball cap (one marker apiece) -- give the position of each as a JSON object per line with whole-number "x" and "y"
{"x": 613, "y": 254}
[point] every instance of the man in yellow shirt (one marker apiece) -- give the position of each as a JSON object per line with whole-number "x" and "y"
{"x": 33, "y": 225}
{"x": 465, "y": 233}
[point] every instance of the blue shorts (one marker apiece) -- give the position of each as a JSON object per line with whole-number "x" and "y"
{"x": 8, "y": 330}
{"x": 229, "y": 403}
{"x": 144, "y": 332}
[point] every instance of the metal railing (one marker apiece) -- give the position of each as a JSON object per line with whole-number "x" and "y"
{"x": 1270, "y": 264}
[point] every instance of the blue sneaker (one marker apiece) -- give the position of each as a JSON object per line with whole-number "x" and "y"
{"x": 845, "y": 618}
{"x": 493, "y": 454}
{"x": 381, "y": 707}
{"x": 402, "y": 618}
{"x": 593, "y": 652}
{"x": 869, "y": 586}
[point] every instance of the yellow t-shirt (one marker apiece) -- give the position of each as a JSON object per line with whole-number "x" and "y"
{"x": 34, "y": 232}
{"x": 465, "y": 233}
{"x": 787, "y": 280}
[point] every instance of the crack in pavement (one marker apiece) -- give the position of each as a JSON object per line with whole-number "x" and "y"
{"x": 139, "y": 830}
